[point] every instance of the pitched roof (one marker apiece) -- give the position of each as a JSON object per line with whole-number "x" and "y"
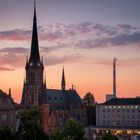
{"x": 122, "y": 101}
{"x": 59, "y": 97}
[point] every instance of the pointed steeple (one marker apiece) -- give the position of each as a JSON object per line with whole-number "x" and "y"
{"x": 34, "y": 54}
{"x": 63, "y": 85}
{"x": 23, "y": 98}
{"x": 45, "y": 81}
{"x": 114, "y": 77}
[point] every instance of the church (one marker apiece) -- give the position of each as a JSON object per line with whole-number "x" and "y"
{"x": 58, "y": 105}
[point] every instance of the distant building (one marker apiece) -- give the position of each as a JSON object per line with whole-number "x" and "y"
{"x": 121, "y": 113}
{"x": 58, "y": 105}
{"x": 8, "y": 111}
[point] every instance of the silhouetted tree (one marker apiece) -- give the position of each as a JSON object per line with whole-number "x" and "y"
{"x": 7, "y": 134}
{"x": 30, "y": 127}
{"x": 72, "y": 130}
{"x": 89, "y": 99}
{"x": 91, "y": 108}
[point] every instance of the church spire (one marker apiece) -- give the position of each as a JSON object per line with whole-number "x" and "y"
{"x": 63, "y": 85}
{"x": 34, "y": 54}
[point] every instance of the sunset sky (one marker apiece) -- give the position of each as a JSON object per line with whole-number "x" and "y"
{"x": 82, "y": 35}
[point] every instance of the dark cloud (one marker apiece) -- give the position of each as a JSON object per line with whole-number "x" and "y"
{"x": 61, "y": 31}
{"x": 17, "y": 34}
{"x": 14, "y": 50}
{"x": 119, "y": 40}
{"x": 84, "y": 35}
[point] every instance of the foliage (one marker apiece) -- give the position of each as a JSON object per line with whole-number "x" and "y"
{"x": 72, "y": 130}
{"x": 89, "y": 99}
{"x": 91, "y": 108}
{"x": 6, "y": 134}
{"x": 109, "y": 136}
{"x": 30, "y": 127}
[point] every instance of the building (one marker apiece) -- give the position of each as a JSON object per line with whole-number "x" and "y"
{"x": 8, "y": 111}
{"x": 123, "y": 113}
{"x": 58, "y": 105}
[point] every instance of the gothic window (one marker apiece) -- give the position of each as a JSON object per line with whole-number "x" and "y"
{"x": 31, "y": 78}
{"x": 4, "y": 117}
{"x": 32, "y": 98}
{"x": 36, "y": 97}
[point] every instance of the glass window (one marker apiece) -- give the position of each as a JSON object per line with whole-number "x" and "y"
{"x": 49, "y": 98}
{"x": 128, "y": 110}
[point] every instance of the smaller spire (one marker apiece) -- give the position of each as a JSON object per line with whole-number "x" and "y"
{"x": 10, "y": 92}
{"x": 63, "y": 85}
{"x": 44, "y": 80}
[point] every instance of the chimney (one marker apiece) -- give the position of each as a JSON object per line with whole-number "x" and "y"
{"x": 114, "y": 77}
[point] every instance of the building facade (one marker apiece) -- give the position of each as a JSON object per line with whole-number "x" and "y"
{"x": 121, "y": 113}
{"x": 58, "y": 105}
{"x": 8, "y": 111}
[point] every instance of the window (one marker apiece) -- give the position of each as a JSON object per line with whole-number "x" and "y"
{"x": 119, "y": 106}
{"x": 49, "y": 98}
{"x": 32, "y": 98}
{"x": 133, "y": 116}
{"x": 4, "y": 117}
{"x": 118, "y": 110}
{"x": 55, "y": 98}
{"x": 123, "y": 106}
{"x": 103, "y": 122}
{"x": 31, "y": 77}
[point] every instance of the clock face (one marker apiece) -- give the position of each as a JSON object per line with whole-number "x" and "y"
{"x": 31, "y": 64}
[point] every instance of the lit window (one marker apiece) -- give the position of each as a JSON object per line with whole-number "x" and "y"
{"x": 123, "y": 106}
{"x": 114, "y": 106}
{"x": 131, "y": 106}
{"x": 119, "y": 106}
{"x": 136, "y": 107}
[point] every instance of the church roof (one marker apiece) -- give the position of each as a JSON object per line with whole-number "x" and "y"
{"x": 123, "y": 101}
{"x": 57, "y": 97}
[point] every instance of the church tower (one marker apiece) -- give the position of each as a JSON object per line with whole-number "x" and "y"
{"x": 33, "y": 85}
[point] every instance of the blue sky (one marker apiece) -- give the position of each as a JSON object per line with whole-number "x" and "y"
{"x": 110, "y": 12}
